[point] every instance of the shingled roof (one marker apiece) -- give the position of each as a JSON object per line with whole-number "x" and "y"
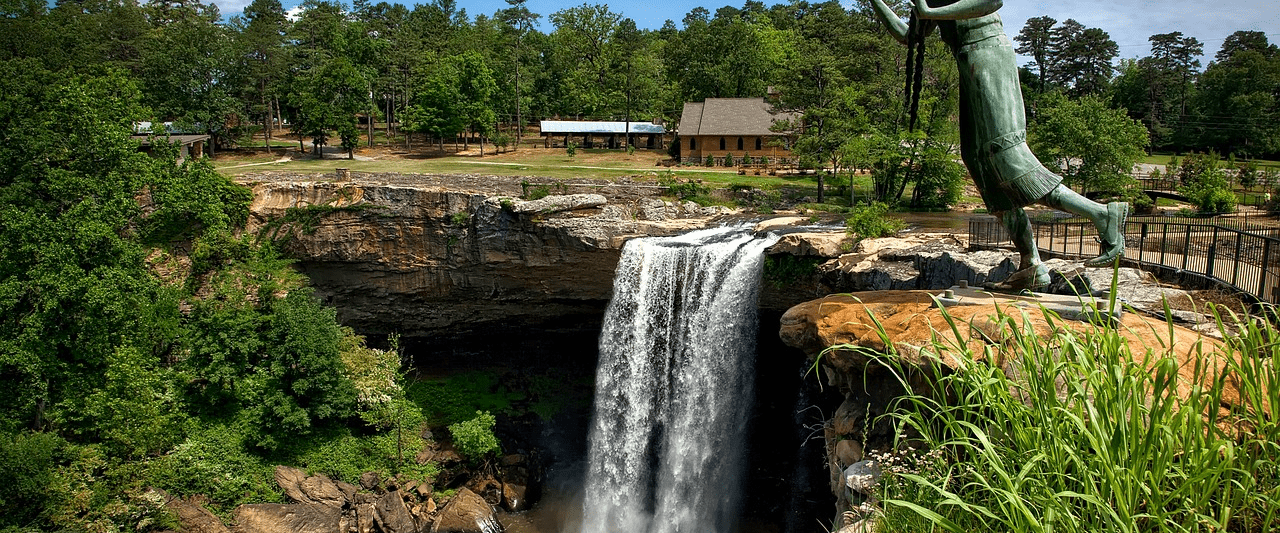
{"x": 729, "y": 116}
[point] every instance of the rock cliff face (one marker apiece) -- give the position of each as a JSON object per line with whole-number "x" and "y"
{"x": 419, "y": 260}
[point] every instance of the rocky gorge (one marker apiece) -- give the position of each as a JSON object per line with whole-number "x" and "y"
{"x": 467, "y": 269}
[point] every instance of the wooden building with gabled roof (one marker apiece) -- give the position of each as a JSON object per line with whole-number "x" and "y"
{"x": 740, "y": 126}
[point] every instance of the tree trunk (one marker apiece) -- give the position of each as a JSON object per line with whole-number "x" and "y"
{"x": 372, "y": 111}
{"x": 519, "y": 122}
{"x": 266, "y": 123}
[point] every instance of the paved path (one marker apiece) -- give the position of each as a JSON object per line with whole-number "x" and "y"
{"x": 281, "y": 160}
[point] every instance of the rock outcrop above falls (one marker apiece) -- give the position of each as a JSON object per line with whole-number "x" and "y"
{"x": 935, "y": 261}
{"x": 419, "y": 260}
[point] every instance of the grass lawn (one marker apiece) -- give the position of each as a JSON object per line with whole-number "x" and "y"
{"x": 541, "y": 163}
{"x": 1163, "y": 159}
{"x": 543, "y": 166}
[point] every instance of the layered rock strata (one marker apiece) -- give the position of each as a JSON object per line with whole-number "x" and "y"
{"x": 423, "y": 259}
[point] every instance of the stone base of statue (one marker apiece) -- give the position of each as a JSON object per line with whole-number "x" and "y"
{"x": 1083, "y": 306}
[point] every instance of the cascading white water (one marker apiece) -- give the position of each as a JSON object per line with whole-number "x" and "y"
{"x": 673, "y": 385}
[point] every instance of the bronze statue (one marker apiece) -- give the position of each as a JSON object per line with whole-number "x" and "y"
{"x": 993, "y": 130}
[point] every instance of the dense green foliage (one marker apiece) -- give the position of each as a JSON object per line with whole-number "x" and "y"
{"x": 1204, "y": 180}
{"x": 474, "y": 438}
{"x": 1087, "y": 432}
{"x": 146, "y": 343}
{"x": 435, "y": 70}
{"x": 1094, "y": 146}
{"x": 872, "y": 221}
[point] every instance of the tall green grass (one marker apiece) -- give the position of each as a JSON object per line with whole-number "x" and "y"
{"x": 1084, "y": 432}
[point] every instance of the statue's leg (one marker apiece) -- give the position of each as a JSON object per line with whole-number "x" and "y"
{"x": 1031, "y": 272}
{"x": 1109, "y": 219}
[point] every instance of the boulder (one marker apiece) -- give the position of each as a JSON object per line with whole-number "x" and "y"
{"x": 487, "y": 487}
{"x": 910, "y": 323}
{"x": 557, "y": 203}
{"x": 826, "y": 244}
{"x": 366, "y": 521}
{"x": 192, "y": 514}
{"x": 848, "y": 452}
{"x": 467, "y": 512}
{"x": 513, "y": 497}
{"x": 866, "y": 525}
{"x": 301, "y": 488}
{"x": 920, "y": 261}
{"x": 862, "y": 477}
{"x": 348, "y": 490}
{"x": 776, "y": 223}
{"x": 282, "y": 518}
{"x": 392, "y": 516}
{"x": 370, "y": 480}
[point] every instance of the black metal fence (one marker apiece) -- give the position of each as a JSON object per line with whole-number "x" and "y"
{"x": 1241, "y": 255}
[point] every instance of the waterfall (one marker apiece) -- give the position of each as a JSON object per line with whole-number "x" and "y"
{"x": 674, "y": 384}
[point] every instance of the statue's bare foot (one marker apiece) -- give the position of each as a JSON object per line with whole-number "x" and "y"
{"x": 1111, "y": 237}
{"x": 1031, "y": 278}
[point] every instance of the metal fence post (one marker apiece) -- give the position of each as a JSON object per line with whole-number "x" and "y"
{"x": 1142, "y": 241}
{"x": 1235, "y": 268}
{"x": 1266, "y": 263}
{"x": 1213, "y": 251}
{"x": 1186, "y": 245}
{"x": 1164, "y": 241}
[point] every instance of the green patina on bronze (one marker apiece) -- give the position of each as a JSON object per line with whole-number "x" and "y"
{"x": 993, "y": 127}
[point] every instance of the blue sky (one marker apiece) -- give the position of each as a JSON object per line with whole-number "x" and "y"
{"x": 1130, "y": 22}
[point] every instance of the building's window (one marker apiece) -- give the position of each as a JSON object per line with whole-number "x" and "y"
{"x": 722, "y": 143}
{"x": 759, "y": 143}
{"x": 739, "y": 143}
{"x": 693, "y": 143}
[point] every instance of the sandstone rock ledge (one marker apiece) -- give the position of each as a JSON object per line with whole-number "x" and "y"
{"x": 910, "y": 324}
{"x": 425, "y": 259}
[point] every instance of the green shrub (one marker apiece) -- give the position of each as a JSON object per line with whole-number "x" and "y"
{"x": 28, "y": 463}
{"x": 529, "y": 191}
{"x": 460, "y": 218}
{"x": 710, "y": 161}
{"x": 870, "y": 221}
{"x": 474, "y": 438}
{"x": 571, "y": 149}
{"x": 1247, "y": 174}
{"x": 95, "y": 493}
{"x": 216, "y": 462}
{"x": 299, "y": 383}
{"x": 1205, "y": 183}
{"x": 784, "y": 269}
{"x": 343, "y": 455}
{"x": 137, "y": 412}
{"x": 728, "y": 160}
